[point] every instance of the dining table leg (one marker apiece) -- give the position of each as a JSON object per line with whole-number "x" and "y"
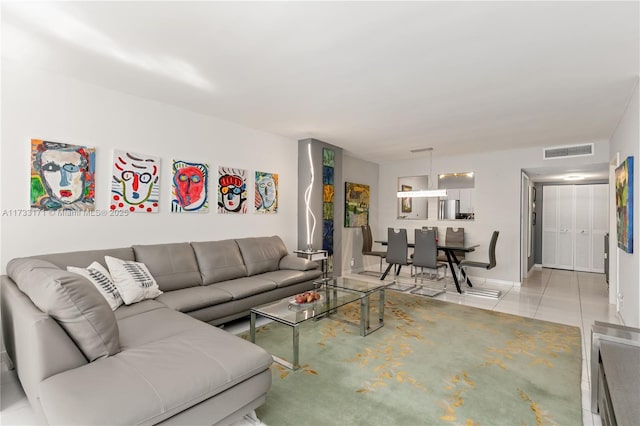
{"x": 451, "y": 259}
{"x": 453, "y": 271}
{"x": 386, "y": 271}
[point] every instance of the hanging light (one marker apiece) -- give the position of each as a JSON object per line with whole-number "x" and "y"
{"x": 424, "y": 192}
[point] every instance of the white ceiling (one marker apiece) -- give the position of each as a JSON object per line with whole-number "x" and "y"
{"x": 376, "y": 78}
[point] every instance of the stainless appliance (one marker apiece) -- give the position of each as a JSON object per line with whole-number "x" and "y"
{"x": 449, "y": 209}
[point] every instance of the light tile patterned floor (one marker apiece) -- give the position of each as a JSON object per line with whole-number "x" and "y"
{"x": 566, "y": 297}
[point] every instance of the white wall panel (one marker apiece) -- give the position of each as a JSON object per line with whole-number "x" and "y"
{"x": 48, "y": 106}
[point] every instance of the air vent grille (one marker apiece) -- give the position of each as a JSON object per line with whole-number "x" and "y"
{"x": 567, "y": 151}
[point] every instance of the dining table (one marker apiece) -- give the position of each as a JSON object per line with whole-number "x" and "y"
{"x": 449, "y": 251}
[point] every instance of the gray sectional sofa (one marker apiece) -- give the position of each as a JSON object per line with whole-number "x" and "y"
{"x": 155, "y": 361}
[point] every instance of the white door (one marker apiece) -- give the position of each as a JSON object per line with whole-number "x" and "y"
{"x": 549, "y": 226}
{"x": 583, "y": 194}
{"x": 565, "y": 214}
{"x": 575, "y": 219}
{"x": 599, "y": 226}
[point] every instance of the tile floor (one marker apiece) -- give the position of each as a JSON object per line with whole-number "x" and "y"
{"x": 567, "y": 297}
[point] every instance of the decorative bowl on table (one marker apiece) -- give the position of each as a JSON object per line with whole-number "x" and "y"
{"x": 305, "y": 299}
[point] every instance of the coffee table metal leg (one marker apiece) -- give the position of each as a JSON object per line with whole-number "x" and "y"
{"x": 381, "y": 308}
{"x": 296, "y": 347}
{"x": 364, "y": 315}
{"x": 252, "y": 328}
{"x": 296, "y": 352}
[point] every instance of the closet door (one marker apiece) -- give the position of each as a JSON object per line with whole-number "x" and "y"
{"x": 583, "y": 215}
{"x": 566, "y": 234}
{"x": 599, "y": 226}
{"x": 575, "y": 219}
{"x": 549, "y": 226}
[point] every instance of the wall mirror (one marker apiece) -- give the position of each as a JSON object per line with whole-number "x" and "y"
{"x": 413, "y": 208}
{"x": 458, "y": 204}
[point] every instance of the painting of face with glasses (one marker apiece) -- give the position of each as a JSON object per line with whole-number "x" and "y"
{"x": 189, "y": 187}
{"x": 62, "y": 176}
{"x": 266, "y": 197}
{"x": 135, "y": 182}
{"x": 232, "y": 190}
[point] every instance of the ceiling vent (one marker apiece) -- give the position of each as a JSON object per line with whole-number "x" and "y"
{"x": 567, "y": 151}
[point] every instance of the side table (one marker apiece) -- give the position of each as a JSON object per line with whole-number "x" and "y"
{"x": 316, "y": 255}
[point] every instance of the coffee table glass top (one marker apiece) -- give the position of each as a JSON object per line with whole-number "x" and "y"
{"x": 354, "y": 284}
{"x": 292, "y": 314}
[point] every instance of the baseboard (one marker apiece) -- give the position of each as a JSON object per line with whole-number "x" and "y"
{"x": 537, "y": 266}
{"x": 495, "y": 281}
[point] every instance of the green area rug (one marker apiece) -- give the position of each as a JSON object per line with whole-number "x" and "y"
{"x": 432, "y": 363}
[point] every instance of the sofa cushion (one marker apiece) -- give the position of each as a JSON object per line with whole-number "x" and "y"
{"x": 262, "y": 254}
{"x": 291, "y": 261}
{"x": 72, "y": 301}
{"x": 126, "y": 311}
{"x": 133, "y": 280}
{"x": 161, "y": 378}
{"x": 245, "y": 287}
{"x": 151, "y": 325}
{"x": 191, "y": 299}
{"x": 219, "y": 260}
{"x": 173, "y": 266}
{"x": 285, "y": 278}
{"x": 86, "y": 257}
{"x": 101, "y": 279}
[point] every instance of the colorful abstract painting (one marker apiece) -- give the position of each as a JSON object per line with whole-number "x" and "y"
{"x": 328, "y": 192}
{"x": 62, "y": 176}
{"x": 356, "y": 204}
{"x": 135, "y": 183}
{"x": 189, "y": 187}
{"x": 624, "y": 205}
{"x": 266, "y": 195}
{"x": 232, "y": 190}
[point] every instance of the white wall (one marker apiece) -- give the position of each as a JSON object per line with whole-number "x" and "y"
{"x": 43, "y": 105}
{"x": 625, "y": 141}
{"x": 496, "y": 200}
{"x": 359, "y": 171}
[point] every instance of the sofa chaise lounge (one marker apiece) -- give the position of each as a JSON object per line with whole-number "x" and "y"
{"x": 159, "y": 360}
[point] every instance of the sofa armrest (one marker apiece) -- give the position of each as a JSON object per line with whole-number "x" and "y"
{"x": 291, "y": 261}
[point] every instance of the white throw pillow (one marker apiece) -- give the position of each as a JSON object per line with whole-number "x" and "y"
{"x": 99, "y": 277}
{"x": 133, "y": 280}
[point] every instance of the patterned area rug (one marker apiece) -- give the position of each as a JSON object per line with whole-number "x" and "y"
{"x": 432, "y": 363}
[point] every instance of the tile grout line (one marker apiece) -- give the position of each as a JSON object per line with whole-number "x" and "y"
{"x": 546, "y": 284}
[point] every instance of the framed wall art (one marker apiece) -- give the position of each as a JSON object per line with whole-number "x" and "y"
{"x": 624, "y": 205}
{"x": 356, "y": 204}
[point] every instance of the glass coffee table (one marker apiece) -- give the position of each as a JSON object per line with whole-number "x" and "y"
{"x": 363, "y": 289}
{"x": 335, "y": 292}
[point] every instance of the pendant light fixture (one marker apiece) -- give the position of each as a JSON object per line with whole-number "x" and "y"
{"x": 424, "y": 192}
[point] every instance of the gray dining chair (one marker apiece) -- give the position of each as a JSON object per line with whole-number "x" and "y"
{"x": 425, "y": 257}
{"x": 453, "y": 236}
{"x": 367, "y": 249}
{"x": 464, "y": 264}
{"x": 398, "y": 256}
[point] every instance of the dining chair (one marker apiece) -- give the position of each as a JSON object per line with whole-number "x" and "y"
{"x": 431, "y": 228}
{"x": 425, "y": 257}
{"x": 367, "y": 249}
{"x": 453, "y": 236}
{"x": 398, "y": 256}
{"x": 464, "y": 264}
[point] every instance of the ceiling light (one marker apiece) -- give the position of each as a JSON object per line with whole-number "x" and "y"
{"x": 574, "y": 177}
{"x": 414, "y": 151}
